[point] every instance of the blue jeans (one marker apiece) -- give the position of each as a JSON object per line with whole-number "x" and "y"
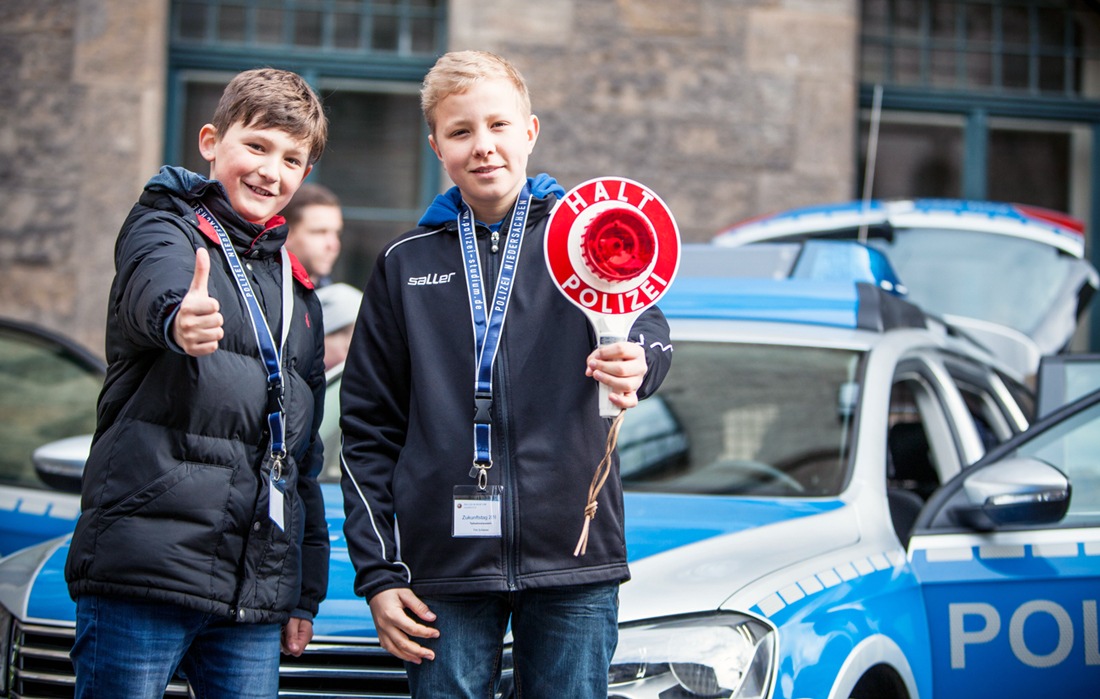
{"x": 563, "y": 642}
{"x": 130, "y": 649}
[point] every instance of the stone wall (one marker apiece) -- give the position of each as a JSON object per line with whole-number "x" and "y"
{"x": 726, "y": 108}
{"x": 81, "y": 123}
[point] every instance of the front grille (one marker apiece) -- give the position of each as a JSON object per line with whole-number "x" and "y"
{"x": 342, "y": 670}
{"x": 41, "y": 669}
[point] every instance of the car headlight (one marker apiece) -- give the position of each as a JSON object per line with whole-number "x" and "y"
{"x": 720, "y": 656}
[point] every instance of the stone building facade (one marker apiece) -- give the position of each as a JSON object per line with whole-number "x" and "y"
{"x": 726, "y": 108}
{"x": 81, "y": 123}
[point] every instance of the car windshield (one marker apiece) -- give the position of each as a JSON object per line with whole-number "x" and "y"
{"x": 735, "y": 419}
{"x": 743, "y": 419}
{"x": 998, "y": 278}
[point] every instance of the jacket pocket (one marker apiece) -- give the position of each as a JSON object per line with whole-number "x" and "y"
{"x": 184, "y": 490}
{"x": 167, "y": 530}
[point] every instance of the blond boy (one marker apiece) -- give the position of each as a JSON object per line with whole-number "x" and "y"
{"x": 465, "y": 353}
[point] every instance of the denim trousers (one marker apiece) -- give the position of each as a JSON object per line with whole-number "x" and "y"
{"x": 563, "y": 640}
{"x": 131, "y": 648}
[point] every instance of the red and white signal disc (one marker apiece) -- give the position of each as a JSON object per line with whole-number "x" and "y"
{"x": 612, "y": 246}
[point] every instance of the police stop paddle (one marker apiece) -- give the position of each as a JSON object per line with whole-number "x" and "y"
{"x": 613, "y": 249}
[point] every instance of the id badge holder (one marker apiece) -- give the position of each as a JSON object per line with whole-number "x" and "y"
{"x": 477, "y": 511}
{"x": 276, "y": 486}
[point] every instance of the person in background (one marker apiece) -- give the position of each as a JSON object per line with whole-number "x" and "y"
{"x": 315, "y": 222}
{"x": 202, "y": 542}
{"x": 449, "y": 557}
{"x": 340, "y": 304}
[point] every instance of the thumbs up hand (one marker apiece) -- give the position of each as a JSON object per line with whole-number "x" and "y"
{"x": 198, "y": 323}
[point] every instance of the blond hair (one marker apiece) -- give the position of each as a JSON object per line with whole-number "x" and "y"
{"x": 268, "y": 98}
{"x": 458, "y": 71}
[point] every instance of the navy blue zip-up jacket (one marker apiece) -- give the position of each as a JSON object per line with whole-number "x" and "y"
{"x": 174, "y": 506}
{"x": 407, "y": 408}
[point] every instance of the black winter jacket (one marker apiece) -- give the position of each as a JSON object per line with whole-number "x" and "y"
{"x": 173, "y": 506}
{"x": 407, "y": 407}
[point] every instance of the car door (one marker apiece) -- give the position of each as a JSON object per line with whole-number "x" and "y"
{"x": 1007, "y": 555}
{"x": 48, "y": 391}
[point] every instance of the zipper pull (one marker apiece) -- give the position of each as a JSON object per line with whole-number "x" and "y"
{"x": 495, "y": 240}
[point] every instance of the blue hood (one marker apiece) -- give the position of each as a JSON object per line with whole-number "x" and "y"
{"x": 446, "y": 207}
{"x": 656, "y": 523}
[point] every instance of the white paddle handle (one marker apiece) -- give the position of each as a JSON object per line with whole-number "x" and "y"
{"x": 607, "y": 408}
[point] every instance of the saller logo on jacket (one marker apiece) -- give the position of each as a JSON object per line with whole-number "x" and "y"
{"x": 431, "y": 279}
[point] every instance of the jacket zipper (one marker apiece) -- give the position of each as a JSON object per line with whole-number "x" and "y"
{"x": 508, "y": 476}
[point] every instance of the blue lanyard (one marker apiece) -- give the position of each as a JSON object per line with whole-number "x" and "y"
{"x": 488, "y": 326}
{"x": 268, "y": 351}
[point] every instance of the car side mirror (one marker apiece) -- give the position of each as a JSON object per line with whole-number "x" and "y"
{"x": 1018, "y": 491}
{"x": 60, "y": 464}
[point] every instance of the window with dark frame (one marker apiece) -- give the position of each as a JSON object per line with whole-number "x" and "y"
{"x": 399, "y": 27}
{"x": 1035, "y": 47}
{"x": 365, "y": 58}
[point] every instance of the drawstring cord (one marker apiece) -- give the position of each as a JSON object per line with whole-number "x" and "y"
{"x": 603, "y": 470}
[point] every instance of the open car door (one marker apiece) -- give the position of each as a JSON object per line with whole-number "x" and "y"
{"x": 1008, "y": 558}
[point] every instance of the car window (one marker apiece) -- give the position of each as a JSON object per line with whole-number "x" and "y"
{"x": 743, "y": 419}
{"x": 998, "y": 406}
{"x": 912, "y": 464}
{"x": 970, "y": 273}
{"x": 1064, "y": 378}
{"x": 924, "y": 433}
{"x": 46, "y": 393}
{"x": 1073, "y": 446}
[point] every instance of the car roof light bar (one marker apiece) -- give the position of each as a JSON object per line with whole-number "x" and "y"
{"x": 834, "y": 283}
{"x": 838, "y": 260}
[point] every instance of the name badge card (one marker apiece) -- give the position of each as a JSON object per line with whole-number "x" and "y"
{"x": 477, "y": 511}
{"x": 275, "y": 506}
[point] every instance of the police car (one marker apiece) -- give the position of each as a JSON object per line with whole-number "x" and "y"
{"x": 1013, "y": 276}
{"x": 802, "y": 520}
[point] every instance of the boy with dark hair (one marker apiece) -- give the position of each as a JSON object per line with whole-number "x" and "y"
{"x": 202, "y": 538}
{"x": 465, "y": 351}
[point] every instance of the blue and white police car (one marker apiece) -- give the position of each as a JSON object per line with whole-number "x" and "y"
{"x": 1013, "y": 276}
{"x": 832, "y": 496}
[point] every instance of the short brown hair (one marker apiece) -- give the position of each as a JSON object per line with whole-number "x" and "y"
{"x": 458, "y": 71}
{"x": 274, "y": 99}
{"x": 309, "y": 194}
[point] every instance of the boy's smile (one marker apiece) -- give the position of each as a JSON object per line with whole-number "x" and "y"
{"x": 260, "y": 168}
{"x": 483, "y": 137}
